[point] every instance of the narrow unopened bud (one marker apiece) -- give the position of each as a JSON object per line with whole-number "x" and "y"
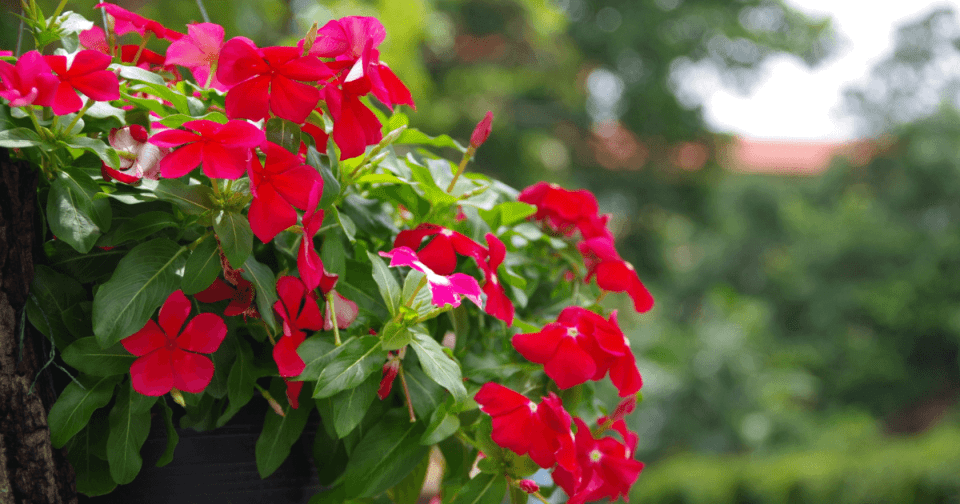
{"x": 625, "y": 408}
{"x": 310, "y": 38}
{"x": 178, "y": 398}
{"x": 528, "y": 486}
{"x": 482, "y": 131}
{"x": 390, "y": 371}
{"x": 274, "y": 404}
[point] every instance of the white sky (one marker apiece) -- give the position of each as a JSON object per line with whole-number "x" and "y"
{"x": 795, "y": 103}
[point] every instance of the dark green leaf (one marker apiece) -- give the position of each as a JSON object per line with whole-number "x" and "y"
{"x": 350, "y": 405}
{"x": 409, "y": 489}
{"x": 331, "y": 185}
{"x": 51, "y": 294}
{"x": 73, "y": 214}
{"x": 279, "y": 433}
{"x": 349, "y": 228}
{"x": 443, "y": 425}
{"x": 86, "y": 356}
{"x": 222, "y": 359}
{"x": 129, "y": 427}
{"x": 106, "y": 153}
{"x": 138, "y": 228}
{"x": 192, "y": 199}
{"x": 236, "y": 238}
{"x": 172, "y": 437}
{"x": 425, "y": 394}
{"x": 483, "y": 489}
{"x": 388, "y": 285}
{"x": 77, "y": 319}
{"x": 395, "y": 336}
{"x": 350, "y": 366}
{"x": 316, "y": 352}
{"x": 93, "y": 473}
{"x": 141, "y": 283}
{"x": 438, "y": 366}
{"x": 94, "y": 266}
{"x": 19, "y": 138}
{"x": 283, "y": 133}
{"x": 240, "y": 383}
{"x": 74, "y": 406}
{"x": 265, "y": 283}
{"x": 359, "y": 287}
{"x": 385, "y": 455}
{"x": 203, "y": 267}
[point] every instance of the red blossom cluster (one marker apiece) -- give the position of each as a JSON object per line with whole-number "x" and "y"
{"x": 52, "y": 81}
{"x": 566, "y": 212}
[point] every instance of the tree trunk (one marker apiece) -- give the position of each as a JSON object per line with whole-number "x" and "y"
{"x": 31, "y": 471}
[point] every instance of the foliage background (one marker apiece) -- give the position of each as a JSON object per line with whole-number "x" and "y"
{"x": 805, "y": 343}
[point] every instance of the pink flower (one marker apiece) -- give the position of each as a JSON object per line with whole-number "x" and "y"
{"x": 169, "y": 358}
{"x": 498, "y": 304}
{"x": 268, "y": 79}
{"x": 95, "y": 39}
{"x": 283, "y": 183}
{"x": 298, "y": 308}
{"x": 126, "y": 22}
{"x": 224, "y": 149}
{"x": 440, "y": 254}
{"x": 528, "y": 486}
{"x": 346, "y": 312}
{"x": 613, "y": 273}
{"x": 87, "y": 74}
{"x": 30, "y": 82}
{"x": 606, "y": 468}
{"x": 445, "y": 289}
{"x": 138, "y": 158}
{"x": 482, "y": 131}
{"x": 199, "y": 51}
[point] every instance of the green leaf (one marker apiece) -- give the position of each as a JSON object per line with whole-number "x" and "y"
{"x": 240, "y": 383}
{"x": 443, "y": 424}
{"x": 77, "y": 319}
{"x": 331, "y": 184}
{"x": 507, "y": 214}
{"x": 316, "y": 352}
{"x": 359, "y": 286}
{"x": 73, "y": 214}
{"x": 19, "y": 138}
{"x": 143, "y": 280}
{"x": 388, "y": 285}
{"x": 177, "y": 120}
{"x": 203, "y": 267}
{"x": 74, "y": 406}
{"x": 357, "y": 360}
{"x": 86, "y": 356}
{"x": 425, "y": 394}
{"x": 438, "y": 366}
{"x": 172, "y": 437}
{"x": 93, "y": 473}
{"x": 51, "y": 294}
{"x": 138, "y": 227}
{"x": 236, "y": 238}
{"x": 138, "y": 74}
{"x": 222, "y": 359}
{"x": 409, "y": 489}
{"x": 395, "y": 336}
{"x": 192, "y": 199}
{"x": 106, "y": 153}
{"x": 279, "y": 433}
{"x": 483, "y": 489}
{"x": 385, "y": 455}
{"x": 283, "y": 133}
{"x": 351, "y": 405}
{"x": 265, "y": 283}
{"x": 423, "y": 303}
{"x": 129, "y": 427}
{"x": 349, "y": 228}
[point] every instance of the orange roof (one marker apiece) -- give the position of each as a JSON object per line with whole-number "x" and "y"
{"x": 784, "y": 157}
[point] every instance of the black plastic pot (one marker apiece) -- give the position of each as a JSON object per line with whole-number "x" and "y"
{"x": 219, "y": 467}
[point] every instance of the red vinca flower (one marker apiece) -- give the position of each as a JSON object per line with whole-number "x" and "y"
{"x": 613, "y": 273}
{"x": 444, "y": 289}
{"x": 240, "y": 296}
{"x": 298, "y": 308}
{"x": 293, "y": 392}
{"x": 225, "y": 150}
{"x": 498, "y": 304}
{"x": 283, "y": 183}
{"x": 138, "y": 158}
{"x": 125, "y": 22}
{"x": 168, "y": 357}
{"x": 308, "y": 261}
{"x": 606, "y": 467}
{"x": 390, "y": 371}
{"x": 87, "y": 74}
{"x": 29, "y": 82}
{"x": 482, "y": 131}
{"x": 541, "y": 430}
{"x": 440, "y": 254}
{"x": 566, "y": 211}
{"x": 267, "y": 80}
{"x": 354, "y": 125}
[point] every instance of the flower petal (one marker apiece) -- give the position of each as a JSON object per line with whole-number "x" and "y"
{"x": 146, "y": 340}
{"x": 181, "y": 161}
{"x": 174, "y": 313}
{"x": 191, "y": 372}
{"x": 152, "y": 374}
{"x": 203, "y": 334}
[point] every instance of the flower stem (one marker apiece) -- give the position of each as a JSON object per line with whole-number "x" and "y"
{"x": 332, "y": 311}
{"x": 203, "y": 11}
{"x": 56, "y": 13}
{"x": 84, "y": 110}
{"x": 143, "y": 45}
{"x": 463, "y": 166}
{"x": 406, "y": 394}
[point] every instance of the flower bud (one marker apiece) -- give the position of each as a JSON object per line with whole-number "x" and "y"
{"x": 482, "y": 131}
{"x": 528, "y": 486}
{"x": 178, "y": 398}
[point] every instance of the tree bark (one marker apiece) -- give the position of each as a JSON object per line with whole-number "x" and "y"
{"x": 31, "y": 471}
